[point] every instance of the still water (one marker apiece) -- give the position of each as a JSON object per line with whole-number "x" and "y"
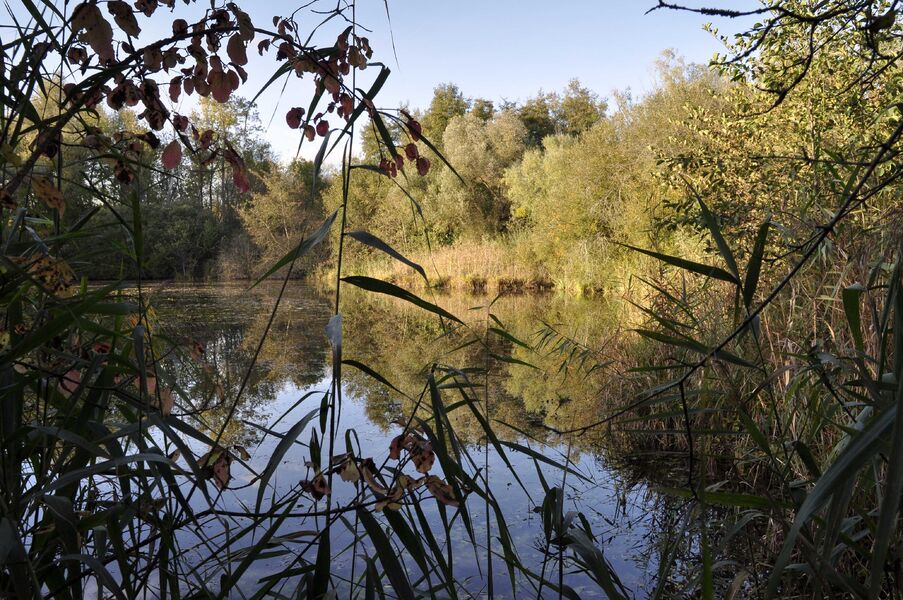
{"x": 568, "y": 382}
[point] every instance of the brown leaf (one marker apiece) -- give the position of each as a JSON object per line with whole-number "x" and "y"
{"x": 216, "y": 466}
{"x": 48, "y": 194}
{"x": 236, "y": 50}
{"x": 7, "y": 201}
{"x": 175, "y": 89}
{"x": 220, "y": 86}
{"x": 442, "y": 491}
{"x": 94, "y": 30}
{"x": 124, "y": 17}
{"x": 166, "y": 401}
{"x": 395, "y": 447}
{"x": 423, "y": 456}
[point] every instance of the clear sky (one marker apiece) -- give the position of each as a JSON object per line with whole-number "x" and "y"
{"x": 509, "y": 49}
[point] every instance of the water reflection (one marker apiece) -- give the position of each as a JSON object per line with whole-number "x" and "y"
{"x": 549, "y": 368}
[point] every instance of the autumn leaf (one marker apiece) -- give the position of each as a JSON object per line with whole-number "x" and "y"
{"x": 395, "y": 447}
{"x": 239, "y": 170}
{"x": 216, "y": 466}
{"x": 7, "y": 201}
{"x": 124, "y": 17}
{"x": 423, "y": 456}
{"x": 94, "y": 30}
{"x": 48, "y": 194}
{"x": 236, "y": 50}
{"x": 70, "y": 382}
{"x": 54, "y": 274}
{"x": 442, "y": 491}
{"x": 167, "y": 402}
{"x": 179, "y": 27}
{"x": 293, "y": 117}
{"x": 350, "y": 472}
{"x": 175, "y": 88}
{"x": 316, "y": 487}
{"x": 172, "y": 155}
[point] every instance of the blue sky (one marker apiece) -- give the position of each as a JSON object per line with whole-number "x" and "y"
{"x": 509, "y": 49}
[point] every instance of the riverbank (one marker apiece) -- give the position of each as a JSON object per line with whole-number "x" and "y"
{"x": 490, "y": 267}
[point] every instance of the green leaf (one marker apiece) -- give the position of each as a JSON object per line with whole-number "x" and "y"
{"x": 754, "y": 266}
{"x": 374, "y": 242}
{"x": 387, "y": 556}
{"x": 545, "y": 459}
{"x": 851, "y": 296}
{"x": 598, "y": 567}
{"x": 688, "y": 265}
{"x": 841, "y": 474}
{"x": 389, "y": 289}
{"x": 368, "y": 371}
{"x": 890, "y": 504}
{"x": 284, "y": 444}
{"x": 725, "y": 251}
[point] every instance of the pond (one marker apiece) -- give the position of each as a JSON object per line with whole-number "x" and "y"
{"x": 533, "y": 363}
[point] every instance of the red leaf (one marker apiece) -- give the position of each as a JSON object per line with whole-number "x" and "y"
{"x": 323, "y": 128}
{"x": 293, "y": 117}
{"x": 423, "y": 166}
{"x": 172, "y": 155}
{"x": 415, "y": 129}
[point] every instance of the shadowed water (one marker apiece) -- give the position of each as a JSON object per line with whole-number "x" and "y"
{"x": 551, "y": 373}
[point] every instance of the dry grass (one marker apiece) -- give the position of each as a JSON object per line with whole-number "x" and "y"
{"x": 487, "y": 267}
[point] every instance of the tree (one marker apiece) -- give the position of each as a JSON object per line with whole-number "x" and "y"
{"x": 577, "y": 109}
{"x": 537, "y": 116}
{"x": 482, "y": 109}
{"x": 448, "y": 102}
{"x": 279, "y": 215}
{"x": 480, "y": 151}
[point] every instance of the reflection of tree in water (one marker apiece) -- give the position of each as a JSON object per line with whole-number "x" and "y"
{"x": 401, "y": 342}
{"x": 228, "y": 323}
